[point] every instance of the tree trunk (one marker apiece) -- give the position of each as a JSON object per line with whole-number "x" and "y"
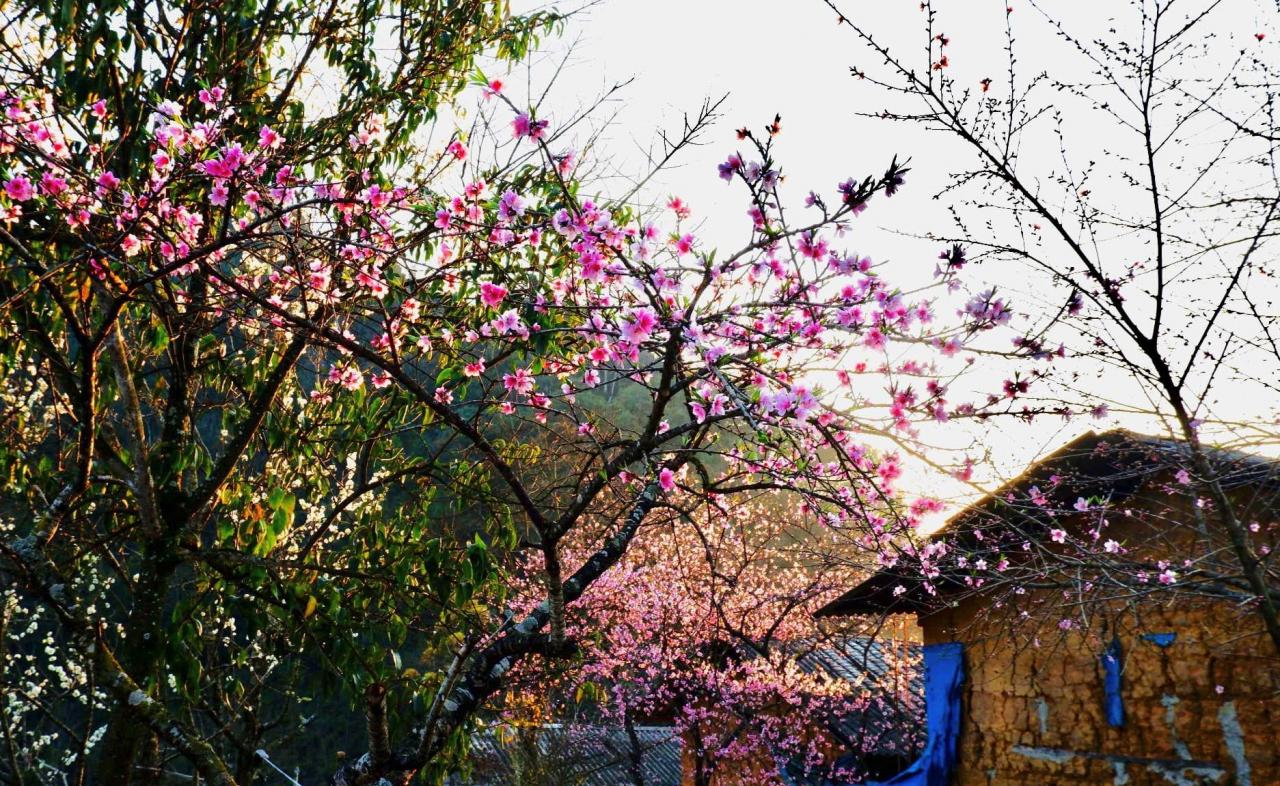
{"x": 128, "y": 741}
{"x": 635, "y": 753}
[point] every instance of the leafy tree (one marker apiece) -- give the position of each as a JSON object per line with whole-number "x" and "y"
{"x": 285, "y": 412}
{"x": 206, "y": 402}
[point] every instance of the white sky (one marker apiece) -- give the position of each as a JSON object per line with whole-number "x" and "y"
{"x": 790, "y": 57}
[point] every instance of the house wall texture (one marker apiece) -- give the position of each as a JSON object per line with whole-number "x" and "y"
{"x": 1203, "y": 710}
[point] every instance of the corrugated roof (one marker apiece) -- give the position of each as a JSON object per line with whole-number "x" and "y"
{"x": 575, "y": 755}
{"x": 883, "y": 728}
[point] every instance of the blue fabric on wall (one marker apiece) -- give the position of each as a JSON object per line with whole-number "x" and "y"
{"x": 1113, "y": 703}
{"x": 1160, "y": 639}
{"x": 943, "y": 680}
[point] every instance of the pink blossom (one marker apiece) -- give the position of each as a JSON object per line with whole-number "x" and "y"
{"x": 592, "y": 262}
{"x": 811, "y": 246}
{"x": 318, "y": 277}
{"x": 19, "y": 189}
{"x": 667, "y": 479}
{"x": 889, "y": 470}
{"x": 718, "y": 405}
{"x": 233, "y": 155}
{"x": 217, "y": 168}
{"x": 520, "y": 382}
{"x": 564, "y": 164}
{"x": 347, "y": 376}
{"x": 457, "y": 149}
{"x": 131, "y": 245}
{"x": 524, "y": 126}
{"x": 210, "y": 97}
{"x": 371, "y": 279}
{"x": 639, "y": 325}
{"x": 52, "y": 185}
{"x": 269, "y": 139}
{"x": 730, "y": 167}
{"x": 492, "y": 295}
{"x": 509, "y": 322}
{"x": 510, "y": 206}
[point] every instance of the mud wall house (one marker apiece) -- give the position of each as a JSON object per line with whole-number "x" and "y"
{"x": 1140, "y": 687}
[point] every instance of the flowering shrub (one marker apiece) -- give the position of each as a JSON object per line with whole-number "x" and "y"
{"x": 707, "y": 624}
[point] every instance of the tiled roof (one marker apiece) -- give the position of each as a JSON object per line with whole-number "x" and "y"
{"x": 574, "y": 755}
{"x": 1114, "y": 464}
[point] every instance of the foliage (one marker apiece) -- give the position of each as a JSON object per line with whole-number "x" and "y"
{"x": 286, "y": 414}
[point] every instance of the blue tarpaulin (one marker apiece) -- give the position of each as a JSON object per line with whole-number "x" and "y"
{"x": 943, "y": 680}
{"x": 1113, "y": 702}
{"x": 1161, "y": 640}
